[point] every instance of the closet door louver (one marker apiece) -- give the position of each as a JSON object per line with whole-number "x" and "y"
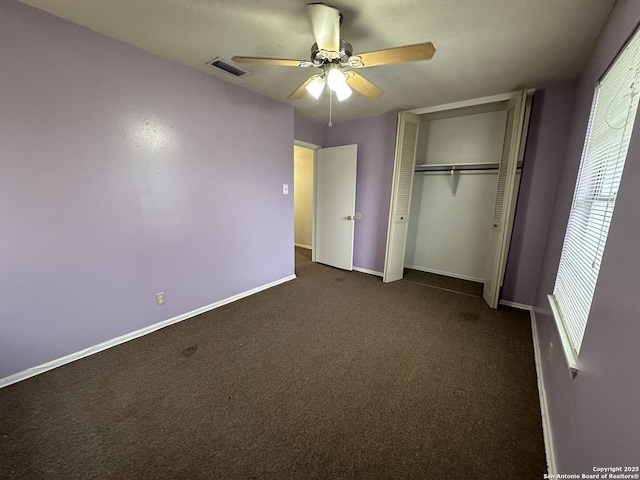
{"x": 504, "y": 167}
{"x": 406, "y": 142}
{"x": 504, "y": 205}
{"x": 407, "y": 157}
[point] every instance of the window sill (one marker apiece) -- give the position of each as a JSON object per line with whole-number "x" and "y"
{"x": 569, "y": 354}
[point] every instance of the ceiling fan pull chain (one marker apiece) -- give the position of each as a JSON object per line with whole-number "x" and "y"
{"x": 330, "y": 105}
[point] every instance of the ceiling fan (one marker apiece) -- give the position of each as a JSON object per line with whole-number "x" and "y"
{"x": 333, "y": 56}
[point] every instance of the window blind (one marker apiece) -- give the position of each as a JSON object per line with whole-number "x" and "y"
{"x": 605, "y": 150}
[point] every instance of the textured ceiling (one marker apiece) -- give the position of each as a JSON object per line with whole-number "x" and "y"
{"x": 482, "y": 47}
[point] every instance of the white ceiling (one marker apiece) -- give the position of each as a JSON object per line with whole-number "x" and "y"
{"x": 483, "y": 47}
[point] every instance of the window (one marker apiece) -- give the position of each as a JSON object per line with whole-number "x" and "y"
{"x": 605, "y": 150}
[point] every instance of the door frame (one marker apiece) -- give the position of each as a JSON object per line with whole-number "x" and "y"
{"x": 314, "y": 147}
{"x": 314, "y": 196}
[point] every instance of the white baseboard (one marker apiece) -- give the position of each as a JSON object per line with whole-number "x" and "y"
{"x": 544, "y": 409}
{"x": 447, "y": 274}
{"x": 370, "y": 272}
{"x": 30, "y": 372}
{"x": 521, "y": 306}
{"x": 308, "y": 247}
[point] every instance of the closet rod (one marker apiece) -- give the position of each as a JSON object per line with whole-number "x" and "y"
{"x": 449, "y": 167}
{"x": 454, "y": 170}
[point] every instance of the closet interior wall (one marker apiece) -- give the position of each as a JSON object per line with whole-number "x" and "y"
{"x": 450, "y": 222}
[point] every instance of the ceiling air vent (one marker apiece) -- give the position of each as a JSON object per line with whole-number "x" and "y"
{"x": 227, "y": 67}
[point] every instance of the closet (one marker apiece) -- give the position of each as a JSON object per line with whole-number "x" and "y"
{"x": 461, "y": 188}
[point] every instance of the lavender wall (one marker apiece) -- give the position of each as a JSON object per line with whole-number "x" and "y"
{"x": 550, "y": 117}
{"x": 123, "y": 175}
{"x": 376, "y": 140}
{"x": 594, "y": 418}
{"x": 307, "y": 131}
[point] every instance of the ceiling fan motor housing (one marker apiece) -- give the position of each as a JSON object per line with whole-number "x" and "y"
{"x": 319, "y": 56}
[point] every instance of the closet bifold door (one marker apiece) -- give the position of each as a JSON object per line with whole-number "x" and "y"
{"x": 504, "y": 204}
{"x": 405, "y": 159}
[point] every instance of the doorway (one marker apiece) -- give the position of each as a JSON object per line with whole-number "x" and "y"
{"x": 303, "y": 172}
{"x": 324, "y": 193}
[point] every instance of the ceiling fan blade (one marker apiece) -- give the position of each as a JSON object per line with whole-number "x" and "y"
{"x": 408, "y": 53}
{"x": 325, "y": 23}
{"x": 302, "y": 89}
{"x": 362, "y": 85}
{"x": 280, "y": 62}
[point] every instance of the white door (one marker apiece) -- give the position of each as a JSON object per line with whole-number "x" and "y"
{"x": 406, "y": 143}
{"x": 335, "y": 205}
{"x": 505, "y": 201}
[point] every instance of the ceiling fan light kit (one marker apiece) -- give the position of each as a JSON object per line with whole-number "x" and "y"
{"x": 343, "y": 93}
{"x": 338, "y": 83}
{"x": 332, "y": 54}
{"x": 316, "y": 86}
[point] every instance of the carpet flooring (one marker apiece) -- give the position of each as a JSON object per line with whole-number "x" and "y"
{"x": 442, "y": 281}
{"x": 334, "y": 375}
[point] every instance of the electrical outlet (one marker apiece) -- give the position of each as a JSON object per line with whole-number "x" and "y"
{"x": 160, "y": 300}
{"x": 285, "y": 189}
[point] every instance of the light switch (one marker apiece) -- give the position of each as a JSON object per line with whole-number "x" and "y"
{"x": 285, "y": 189}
